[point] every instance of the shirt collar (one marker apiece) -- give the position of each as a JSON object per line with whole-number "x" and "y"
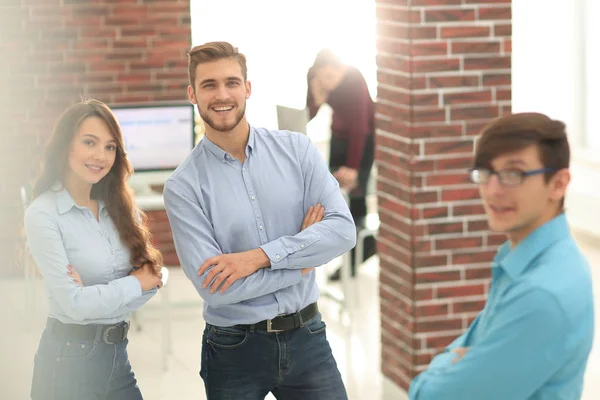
{"x": 515, "y": 261}
{"x": 251, "y": 141}
{"x": 65, "y": 202}
{"x": 222, "y": 154}
{"x": 213, "y": 148}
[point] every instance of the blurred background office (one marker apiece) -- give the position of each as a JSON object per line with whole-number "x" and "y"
{"x": 438, "y": 72}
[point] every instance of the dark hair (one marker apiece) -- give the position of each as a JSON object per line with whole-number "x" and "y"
{"x": 518, "y": 131}
{"x": 214, "y": 51}
{"x": 112, "y": 189}
{"x": 326, "y": 57}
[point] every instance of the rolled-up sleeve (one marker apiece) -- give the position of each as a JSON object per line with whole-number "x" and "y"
{"x": 195, "y": 242}
{"x": 325, "y": 240}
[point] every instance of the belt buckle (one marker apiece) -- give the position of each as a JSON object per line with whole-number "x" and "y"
{"x": 110, "y": 329}
{"x": 270, "y": 327}
{"x": 107, "y": 331}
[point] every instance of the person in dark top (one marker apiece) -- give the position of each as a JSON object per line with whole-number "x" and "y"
{"x": 351, "y": 152}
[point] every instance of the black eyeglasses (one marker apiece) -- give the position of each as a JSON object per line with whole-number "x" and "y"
{"x": 506, "y": 177}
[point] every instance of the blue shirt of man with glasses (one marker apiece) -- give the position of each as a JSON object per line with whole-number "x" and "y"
{"x": 534, "y": 335}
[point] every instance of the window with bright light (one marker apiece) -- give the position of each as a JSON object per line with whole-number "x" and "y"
{"x": 592, "y": 74}
{"x": 281, "y": 40}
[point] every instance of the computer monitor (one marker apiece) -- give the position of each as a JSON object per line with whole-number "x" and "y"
{"x": 157, "y": 139}
{"x": 292, "y": 119}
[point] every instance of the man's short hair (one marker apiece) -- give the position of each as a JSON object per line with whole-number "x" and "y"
{"x": 517, "y": 131}
{"x": 213, "y": 51}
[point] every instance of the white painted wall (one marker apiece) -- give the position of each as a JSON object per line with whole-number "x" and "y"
{"x": 551, "y": 75}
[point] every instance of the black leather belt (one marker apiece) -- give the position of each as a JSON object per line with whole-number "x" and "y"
{"x": 109, "y": 334}
{"x": 287, "y": 322}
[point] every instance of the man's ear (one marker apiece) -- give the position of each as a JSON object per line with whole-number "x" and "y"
{"x": 559, "y": 183}
{"x": 191, "y": 94}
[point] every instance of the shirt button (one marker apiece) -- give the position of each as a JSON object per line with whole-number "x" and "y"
{"x": 253, "y": 197}
{"x": 260, "y": 227}
{"x": 277, "y": 256}
{"x": 302, "y": 245}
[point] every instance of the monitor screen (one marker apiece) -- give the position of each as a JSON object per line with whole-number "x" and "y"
{"x": 157, "y": 137}
{"x": 292, "y": 119}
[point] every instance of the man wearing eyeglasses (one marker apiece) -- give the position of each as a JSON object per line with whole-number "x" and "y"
{"x": 534, "y": 335}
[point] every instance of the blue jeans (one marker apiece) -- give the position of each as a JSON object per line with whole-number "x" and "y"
{"x": 294, "y": 365}
{"x": 79, "y": 369}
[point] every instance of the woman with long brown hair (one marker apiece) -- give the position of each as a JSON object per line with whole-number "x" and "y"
{"x": 91, "y": 245}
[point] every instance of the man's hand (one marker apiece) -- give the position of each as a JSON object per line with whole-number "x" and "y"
{"x": 347, "y": 177}
{"x": 228, "y": 268}
{"x": 314, "y": 215}
{"x": 319, "y": 93}
{"x": 460, "y": 351}
{"x": 71, "y": 273}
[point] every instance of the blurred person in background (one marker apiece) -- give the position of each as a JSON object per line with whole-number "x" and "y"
{"x": 351, "y": 151}
{"x": 90, "y": 244}
{"x": 533, "y": 338}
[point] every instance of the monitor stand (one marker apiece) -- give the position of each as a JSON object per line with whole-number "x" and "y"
{"x": 149, "y": 183}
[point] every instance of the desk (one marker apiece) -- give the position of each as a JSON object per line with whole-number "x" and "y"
{"x": 150, "y": 202}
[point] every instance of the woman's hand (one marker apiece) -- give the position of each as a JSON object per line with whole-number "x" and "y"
{"x": 147, "y": 276}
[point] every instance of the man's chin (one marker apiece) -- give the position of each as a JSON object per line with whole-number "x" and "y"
{"x": 500, "y": 227}
{"x": 224, "y": 127}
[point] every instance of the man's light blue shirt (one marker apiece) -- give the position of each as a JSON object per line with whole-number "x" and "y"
{"x": 217, "y": 205}
{"x": 534, "y": 335}
{"x": 61, "y": 233}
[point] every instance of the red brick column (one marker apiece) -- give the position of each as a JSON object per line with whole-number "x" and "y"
{"x": 443, "y": 72}
{"x": 162, "y": 236}
{"x": 56, "y": 51}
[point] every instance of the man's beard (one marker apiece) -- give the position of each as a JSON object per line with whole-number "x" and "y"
{"x": 223, "y": 127}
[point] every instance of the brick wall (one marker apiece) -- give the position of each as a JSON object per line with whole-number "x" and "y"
{"x": 56, "y": 51}
{"x": 162, "y": 236}
{"x": 443, "y": 72}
